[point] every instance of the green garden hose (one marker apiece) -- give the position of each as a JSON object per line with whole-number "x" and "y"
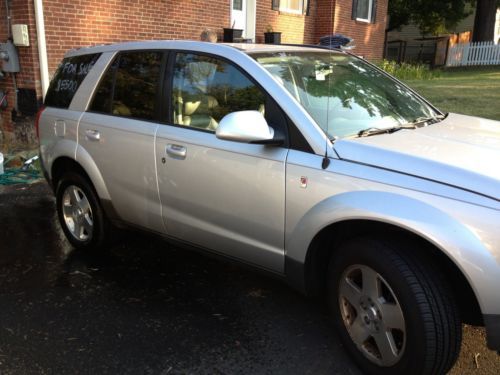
{"x": 18, "y": 176}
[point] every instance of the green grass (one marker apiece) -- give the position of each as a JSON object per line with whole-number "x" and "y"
{"x": 471, "y": 91}
{"x": 408, "y": 71}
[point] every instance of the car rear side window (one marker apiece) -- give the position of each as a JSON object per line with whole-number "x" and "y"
{"x": 68, "y": 77}
{"x": 130, "y": 86}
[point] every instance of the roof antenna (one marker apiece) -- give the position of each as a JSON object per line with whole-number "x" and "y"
{"x": 326, "y": 161}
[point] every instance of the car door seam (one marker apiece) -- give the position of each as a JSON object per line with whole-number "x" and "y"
{"x": 157, "y": 177}
{"x": 77, "y": 133}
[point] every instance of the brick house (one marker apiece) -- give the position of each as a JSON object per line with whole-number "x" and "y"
{"x": 61, "y": 25}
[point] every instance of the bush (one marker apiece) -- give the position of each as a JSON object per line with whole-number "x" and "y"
{"x": 408, "y": 71}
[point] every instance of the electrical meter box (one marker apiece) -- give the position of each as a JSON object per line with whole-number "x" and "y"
{"x": 9, "y": 59}
{"x": 20, "y": 35}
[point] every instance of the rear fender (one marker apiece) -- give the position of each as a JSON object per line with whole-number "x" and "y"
{"x": 88, "y": 164}
{"x": 62, "y": 148}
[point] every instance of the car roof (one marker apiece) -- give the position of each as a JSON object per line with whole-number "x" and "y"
{"x": 190, "y": 45}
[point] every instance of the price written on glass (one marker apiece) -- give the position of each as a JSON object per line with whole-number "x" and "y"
{"x": 72, "y": 75}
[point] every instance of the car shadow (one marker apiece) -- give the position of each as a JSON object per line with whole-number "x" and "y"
{"x": 144, "y": 306}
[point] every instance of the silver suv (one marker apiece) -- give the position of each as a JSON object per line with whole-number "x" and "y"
{"x": 311, "y": 164}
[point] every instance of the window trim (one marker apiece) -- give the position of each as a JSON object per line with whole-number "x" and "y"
{"x": 158, "y": 97}
{"x": 233, "y": 8}
{"x": 284, "y": 9}
{"x": 370, "y": 11}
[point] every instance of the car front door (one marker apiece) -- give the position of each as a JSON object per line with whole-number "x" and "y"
{"x": 222, "y": 195}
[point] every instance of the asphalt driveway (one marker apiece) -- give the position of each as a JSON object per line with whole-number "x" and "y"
{"x": 144, "y": 307}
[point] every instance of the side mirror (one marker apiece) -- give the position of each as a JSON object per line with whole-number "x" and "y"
{"x": 246, "y": 127}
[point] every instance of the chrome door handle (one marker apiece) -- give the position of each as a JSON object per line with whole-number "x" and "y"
{"x": 176, "y": 151}
{"x": 92, "y": 135}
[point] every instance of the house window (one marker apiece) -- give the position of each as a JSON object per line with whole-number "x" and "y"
{"x": 364, "y": 10}
{"x": 292, "y": 6}
{"x": 238, "y": 4}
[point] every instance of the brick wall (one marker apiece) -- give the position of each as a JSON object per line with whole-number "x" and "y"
{"x": 295, "y": 28}
{"x": 89, "y": 22}
{"x": 369, "y": 37}
{"x": 324, "y": 18}
{"x": 21, "y": 12}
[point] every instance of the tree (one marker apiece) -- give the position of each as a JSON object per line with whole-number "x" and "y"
{"x": 484, "y": 21}
{"x": 432, "y": 17}
{"x": 435, "y": 17}
{"x": 399, "y": 14}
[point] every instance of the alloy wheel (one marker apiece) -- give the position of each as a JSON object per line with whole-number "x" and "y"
{"x": 77, "y": 213}
{"x": 372, "y": 315}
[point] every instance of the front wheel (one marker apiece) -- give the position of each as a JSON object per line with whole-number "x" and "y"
{"x": 394, "y": 313}
{"x": 80, "y": 214}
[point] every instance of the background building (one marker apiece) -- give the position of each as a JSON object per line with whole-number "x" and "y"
{"x": 78, "y": 23}
{"x": 409, "y": 45}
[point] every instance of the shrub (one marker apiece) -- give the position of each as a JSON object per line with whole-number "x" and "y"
{"x": 408, "y": 71}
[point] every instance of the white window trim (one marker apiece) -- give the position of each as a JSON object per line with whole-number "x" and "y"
{"x": 497, "y": 28}
{"x": 370, "y": 10}
{"x": 293, "y": 11}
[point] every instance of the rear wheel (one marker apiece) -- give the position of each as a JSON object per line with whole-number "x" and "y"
{"x": 80, "y": 214}
{"x": 394, "y": 313}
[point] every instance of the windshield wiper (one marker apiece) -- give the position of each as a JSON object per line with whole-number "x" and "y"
{"x": 428, "y": 120}
{"x": 374, "y": 131}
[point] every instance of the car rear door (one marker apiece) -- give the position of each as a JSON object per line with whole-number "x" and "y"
{"x": 59, "y": 119}
{"x": 222, "y": 195}
{"x": 118, "y": 132}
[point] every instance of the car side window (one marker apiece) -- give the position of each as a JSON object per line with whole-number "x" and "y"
{"x": 206, "y": 88}
{"x": 68, "y": 77}
{"x": 130, "y": 86}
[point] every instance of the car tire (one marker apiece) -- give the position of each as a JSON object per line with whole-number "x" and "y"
{"x": 80, "y": 213}
{"x": 394, "y": 312}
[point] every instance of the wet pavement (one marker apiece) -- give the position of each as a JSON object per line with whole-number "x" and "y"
{"x": 144, "y": 307}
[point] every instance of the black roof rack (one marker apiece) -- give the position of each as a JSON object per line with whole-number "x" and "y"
{"x": 312, "y": 46}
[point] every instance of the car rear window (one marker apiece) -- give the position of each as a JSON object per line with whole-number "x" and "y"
{"x": 68, "y": 77}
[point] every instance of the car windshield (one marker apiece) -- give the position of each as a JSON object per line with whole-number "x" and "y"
{"x": 344, "y": 94}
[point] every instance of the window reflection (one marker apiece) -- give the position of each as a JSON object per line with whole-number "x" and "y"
{"x": 205, "y": 89}
{"x": 130, "y": 85}
{"x": 343, "y": 94}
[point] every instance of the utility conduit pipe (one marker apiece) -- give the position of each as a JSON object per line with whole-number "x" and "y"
{"x": 42, "y": 46}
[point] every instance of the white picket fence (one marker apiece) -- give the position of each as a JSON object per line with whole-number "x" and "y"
{"x": 478, "y": 53}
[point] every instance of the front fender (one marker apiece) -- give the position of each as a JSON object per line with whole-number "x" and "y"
{"x": 458, "y": 241}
